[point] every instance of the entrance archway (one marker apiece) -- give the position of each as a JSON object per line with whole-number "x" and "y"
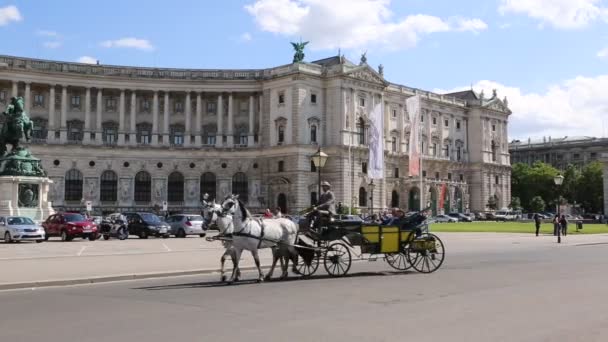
{"x": 414, "y": 199}
{"x": 458, "y": 200}
{"x": 433, "y": 201}
{"x": 282, "y": 202}
{"x": 394, "y": 199}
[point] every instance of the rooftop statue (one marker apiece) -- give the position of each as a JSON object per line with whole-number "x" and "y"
{"x": 298, "y": 57}
{"x": 363, "y": 58}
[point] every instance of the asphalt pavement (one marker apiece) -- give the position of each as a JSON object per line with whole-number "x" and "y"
{"x": 524, "y": 290}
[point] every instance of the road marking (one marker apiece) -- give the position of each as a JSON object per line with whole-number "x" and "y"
{"x": 167, "y": 248}
{"x": 82, "y": 250}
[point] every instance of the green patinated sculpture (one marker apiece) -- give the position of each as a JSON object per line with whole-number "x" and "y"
{"x": 299, "y": 55}
{"x": 17, "y": 126}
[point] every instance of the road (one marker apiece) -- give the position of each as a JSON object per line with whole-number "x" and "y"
{"x": 556, "y": 293}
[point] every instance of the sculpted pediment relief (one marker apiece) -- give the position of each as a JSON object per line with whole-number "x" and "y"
{"x": 366, "y": 74}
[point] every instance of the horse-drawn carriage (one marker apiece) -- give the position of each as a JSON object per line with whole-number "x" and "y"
{"x": 408, "y": 245}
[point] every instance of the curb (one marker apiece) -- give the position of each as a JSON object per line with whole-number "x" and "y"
{"x": 112, "y": 278}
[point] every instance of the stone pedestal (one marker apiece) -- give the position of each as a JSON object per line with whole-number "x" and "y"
{"x": 25, "y": 196}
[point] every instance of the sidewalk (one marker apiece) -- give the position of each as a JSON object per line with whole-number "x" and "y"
{"x": 58, "y": 263}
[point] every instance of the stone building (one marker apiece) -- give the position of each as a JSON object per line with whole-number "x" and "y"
{"x": 558, "y": 152}
{"x": 131, "y": 138}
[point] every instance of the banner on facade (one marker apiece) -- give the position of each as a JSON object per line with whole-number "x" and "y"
{"x": 376, "y": 143}
{"x": 413, "y": 108}
{"x": 444, "y": 187}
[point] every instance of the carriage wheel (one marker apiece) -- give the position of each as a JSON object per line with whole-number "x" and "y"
{"x": 307, "y": 269}
{"x": 398, "y": 261}
{"x": 337, "y": 260}
{"x": 427, "y": 261}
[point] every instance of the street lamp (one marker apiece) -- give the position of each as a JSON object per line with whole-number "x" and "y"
{"x": 559, "y": 179}
{"x": 371, "y": 198}
{"x": 319, "y": 160}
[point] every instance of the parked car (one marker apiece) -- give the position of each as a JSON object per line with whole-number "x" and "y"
{"x": 146, "y": 224}
{"x": 460, "y": 217}
{"x": 69, "y": 226}
{"x": 444, "y": 218}
{"x": 183, "y": 225}
{"x": 114, "y": 225}
{"x": 20, "y": 228}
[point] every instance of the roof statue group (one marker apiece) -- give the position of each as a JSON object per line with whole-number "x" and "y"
{"x": 17, "y": 126}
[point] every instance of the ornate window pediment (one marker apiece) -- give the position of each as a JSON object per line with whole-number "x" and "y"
{"x": 280, "y": 121}
{"x": 313, "y": 120}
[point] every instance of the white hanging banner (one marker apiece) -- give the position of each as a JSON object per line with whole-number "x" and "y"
{"x": 376, "y": 143}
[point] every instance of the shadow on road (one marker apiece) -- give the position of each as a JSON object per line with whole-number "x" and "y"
{"x": 246, "y": 282}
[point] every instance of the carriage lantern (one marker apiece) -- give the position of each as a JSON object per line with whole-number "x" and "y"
{"x": 319, "y": 160}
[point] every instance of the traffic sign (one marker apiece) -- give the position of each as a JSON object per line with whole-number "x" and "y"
{"x": 89, "y": 206}
{"x": 165, "y": 207}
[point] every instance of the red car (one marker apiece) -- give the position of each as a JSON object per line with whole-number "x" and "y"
{"x": 68, "y": 226}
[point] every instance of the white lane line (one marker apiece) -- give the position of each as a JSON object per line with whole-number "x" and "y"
{"x": 167, "y": 248}
{"x": 82, "y": 250}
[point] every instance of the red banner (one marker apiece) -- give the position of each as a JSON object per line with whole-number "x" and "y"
{"x": 444, "y": 187}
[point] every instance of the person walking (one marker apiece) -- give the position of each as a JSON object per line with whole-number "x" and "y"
{"x": 564, "y": 225}
{"x": 556, "y": 226}
{"x": 537, "y": 222}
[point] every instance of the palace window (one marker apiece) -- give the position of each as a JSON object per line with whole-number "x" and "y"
{"x": 143, "y": 187}
{"x": 212, "y": 108}
{"x": 73, "y": 185}
{"x": 240, "y": 186}
{"x": 313, "y": 198}
{"x": 446, "y": 150}
{"x": 364, "y": 167}
{"x": 178, "y": 106}
{"x": 39, "y": 100}
{"x": 421, "y": 117}
{"x": 434, "y": 150}
{"x": 75, "y": 102}
{"x": 313, "y": 98}
{"x": 39, "y": 129}
{"x": 175, "y": 188}
{"x": 394, "y": 144}
{"x": 461, "y": 177}
{"x": 313, "y": 133}
{"x": 361, "y": 131}
{"x": 449, "y": 176}
{"x": 458, "y": 125}
{"x": 75, "y": 130}
{"x": 396, "y": 172}
{"x": 493, "y": 128}
{"x": 394, "y": 113}
{"x": 423, "y": 173}
{"x": 177, "y": 135}
{"x": 110, "y": 104}
{"x": 2, "y": 96}
{"x": 210, "y": 140}
{"x": 458, "y": 153}
{"x": 434, "y": 120}
{"x": 108, "y": 186}
{"x": 313, "y": 167}
{"x": 208, "y": 185}
{"x": 145, "y": 105}
{"x": 281, "y": 166}
{"x": 361, "y": 102}
{"x": 362, "y": 197}
{"x": 143, "y": 133}
{"x": 446, "y": 122}
{"x": 281, "y": 98}
{"x": 495, "y": 179}
{"x": 281, "y": 134}
{"x": 436, "y": 175}
{"x": 110, "y": 133}
{"x": 243, "y": 140}
{"x": 494, "y": 150}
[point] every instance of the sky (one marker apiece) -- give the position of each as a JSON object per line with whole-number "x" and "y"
{"x": 548, "y": 57}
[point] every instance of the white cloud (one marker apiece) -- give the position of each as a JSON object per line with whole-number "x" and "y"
{"x": 246, "y": 37}
{"x": 603, "y": 53}
{"x": 350, "y": 24}
{"x": 46, "y": 33}
{"x": 87, "y": 60}
{"x": 574, "y": 107}
{"x": 8, "y": 14}
{"x": 52, "y": 45}
{"x": 563, "y": 14}
{"x": 135, "y": 43}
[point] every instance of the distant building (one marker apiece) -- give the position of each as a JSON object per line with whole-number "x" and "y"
{"x": 558, "y": 152}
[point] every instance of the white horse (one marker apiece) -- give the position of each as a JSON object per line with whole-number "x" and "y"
{"x": 226, "y": 228}
{"x": 250, "y": 234}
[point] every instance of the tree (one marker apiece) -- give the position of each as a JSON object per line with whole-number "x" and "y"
{"x": 590, "y": 188}
{"x": 492, "y": 203}
{"x": 537, "y": 180}
{"x": 569, "y": 188}
{"x": 537, "y": 204}
{"x": 515, "y": 204}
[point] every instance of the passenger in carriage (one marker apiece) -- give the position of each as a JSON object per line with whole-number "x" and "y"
{"x": 327, "y": 207}
{"x": 397, "y": 219}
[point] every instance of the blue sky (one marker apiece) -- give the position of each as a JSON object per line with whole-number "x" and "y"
{"x": 549, "y": 57}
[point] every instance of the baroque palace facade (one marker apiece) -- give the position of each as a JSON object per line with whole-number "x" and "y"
{"x": 131, "y": 138}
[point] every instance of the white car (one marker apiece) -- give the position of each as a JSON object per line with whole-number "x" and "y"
{"x": 444, "y": 218}
{"x": 20, "y": 228}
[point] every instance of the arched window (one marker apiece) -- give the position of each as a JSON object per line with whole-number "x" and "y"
{"x": 394, "y": 199}
{"x": 108, "y": 186}
{"x": 313, "y": 133}
{"x": 175, "y": 189}
{"x": 361, "y": 131}
{"x": 143, "y": 187}
{"x": 362, "y": 197}
{"x": 208, "y": 185}
{"x": 239, "y": 186}
{"x": 493, "y": 151}
{"x": 73, "y": 185}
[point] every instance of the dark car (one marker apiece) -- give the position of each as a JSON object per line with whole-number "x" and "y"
{"x": 68, "y": 226}
{"x": 460, "y": 217}
{"x": 146, "y": 224}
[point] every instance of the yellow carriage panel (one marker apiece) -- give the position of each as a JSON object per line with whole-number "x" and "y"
{"x": 371, "y": 233}
{"x": 405, "y": 234}
{"x": 390, "y": 240}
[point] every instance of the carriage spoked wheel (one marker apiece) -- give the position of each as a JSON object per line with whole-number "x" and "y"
{"x": 308, "y": 266}
{"x": 398, "y": 261}
{"x": 426, "y": 253}
{"x": 337, "y": 259}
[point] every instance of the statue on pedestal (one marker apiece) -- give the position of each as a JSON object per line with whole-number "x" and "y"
{"x": 299, "y": 55}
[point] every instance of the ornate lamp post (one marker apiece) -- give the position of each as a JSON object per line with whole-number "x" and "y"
{"x": 319, "y": 160}
{"x": 371, "y": 198}
{"x": 559, "y": 179}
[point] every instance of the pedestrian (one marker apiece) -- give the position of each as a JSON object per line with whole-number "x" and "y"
{"x": 556, "y": 226}
{"x": 277, "y": 213}
{"x": 537, "y": 222}
{"x": 267, "y": 213}
{"x": 564, "y": 225}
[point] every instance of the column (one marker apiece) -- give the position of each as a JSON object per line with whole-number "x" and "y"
{"x": 199, "y": 114}
{"x": 166, "y": 120}
{"x": 51, "y": 123}
{"x": 15, "y": 89}
{"x": 188, "y": 133}
{"x": 155, "y": 119}
{"x": 219, "y": 136}
{"x": 260, "y": 117}
{"x": 27, "y": 99}
{"x": 87, "y": 116}
{"x": 251, "y": 122}
{"x": 121, "y": 118}
{"x": 99, "y": 125}
{"x": 230, "y": 128}
{"x": 353, "y": 124}
{"x": 133, "y": 128}
{"x": 63, "y": 137}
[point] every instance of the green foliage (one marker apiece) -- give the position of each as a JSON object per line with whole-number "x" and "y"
{"x": 492, "y": 203}
{"x": 590, "y": 188}
{"x": 343, "y": 210}
{"x": 515, "y": 203}
{"x": 537, "y": 204}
